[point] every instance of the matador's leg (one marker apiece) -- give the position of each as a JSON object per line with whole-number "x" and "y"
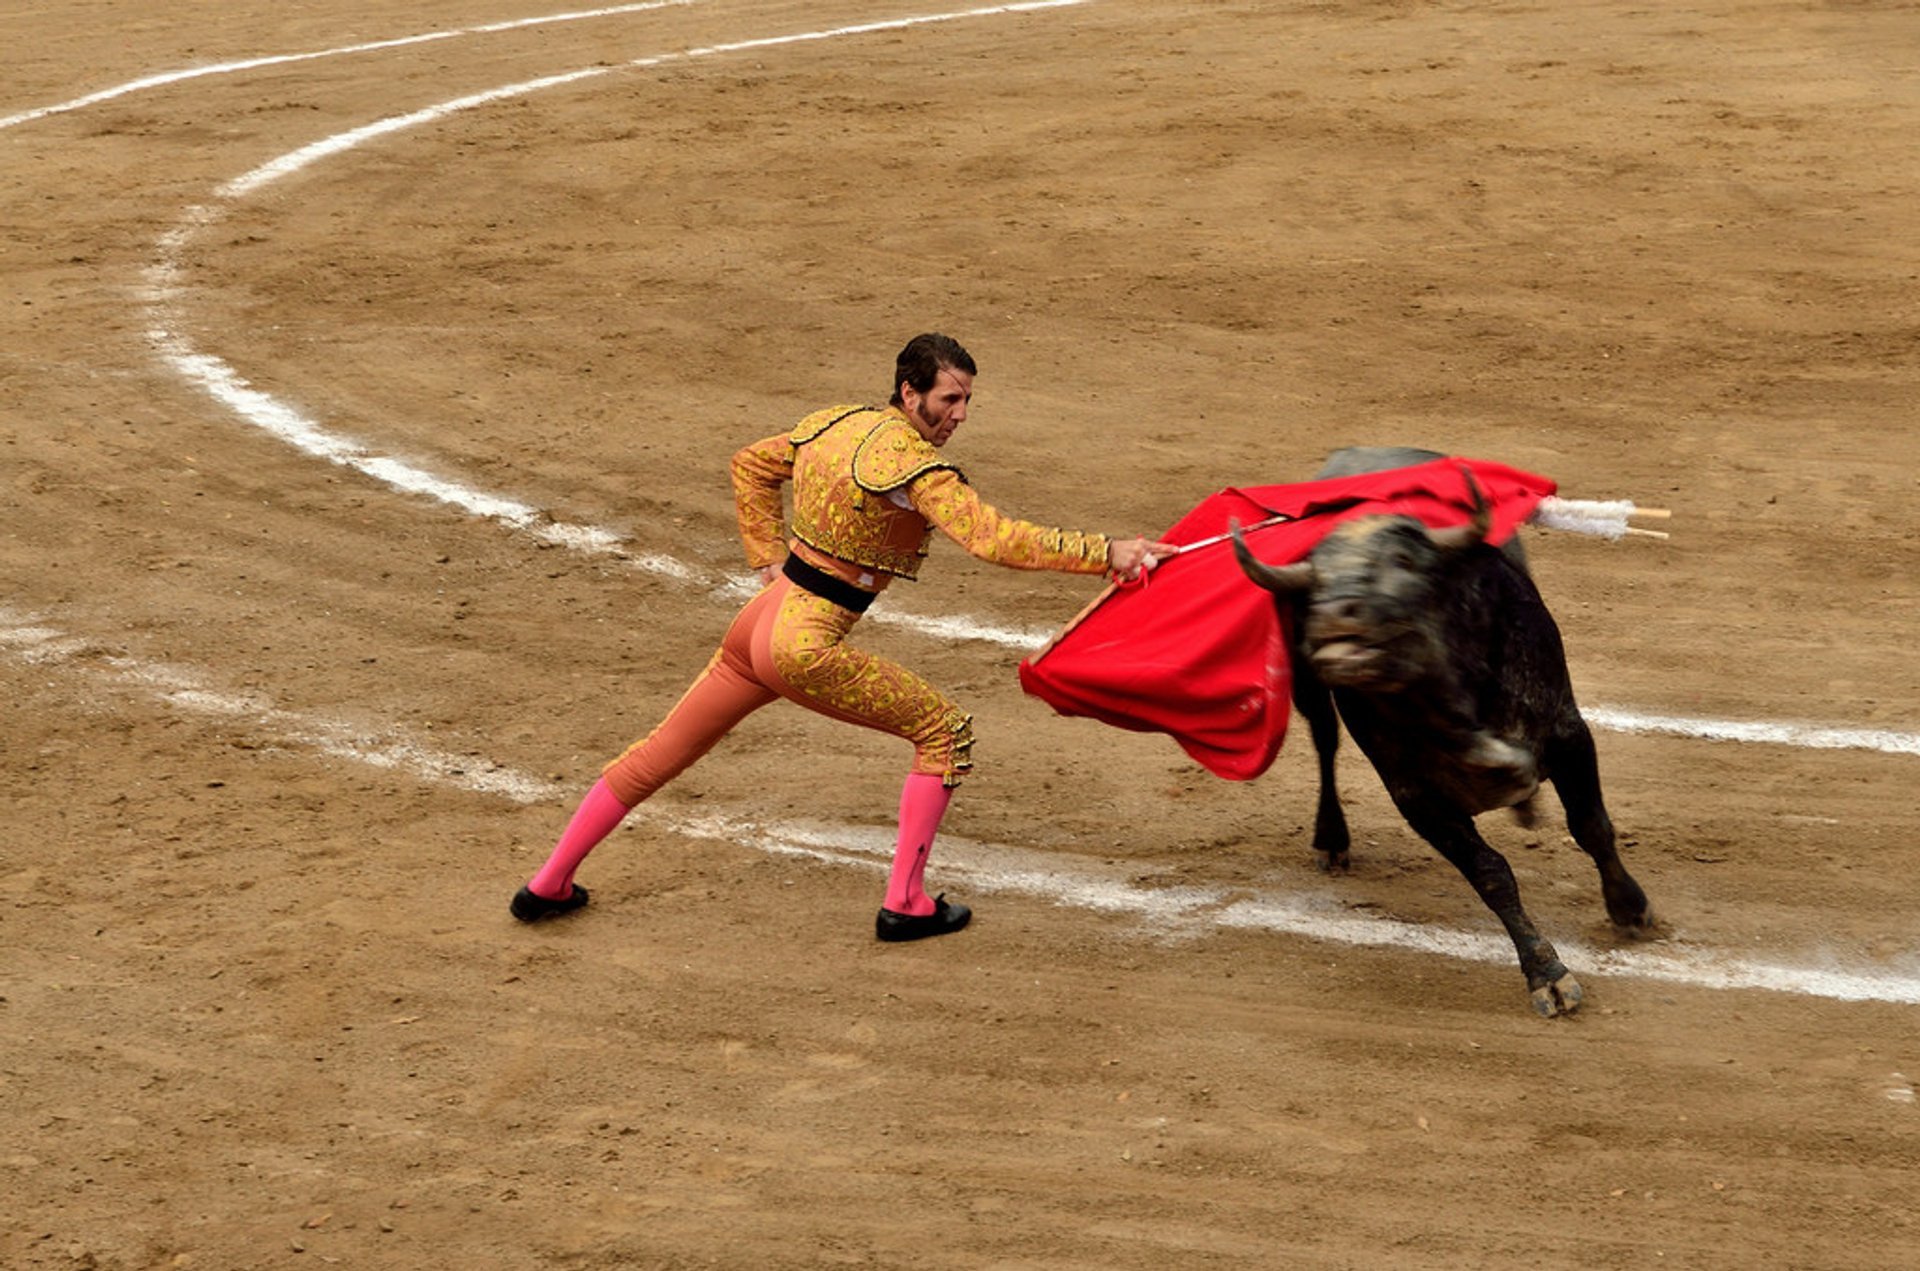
{"x": 724, "y": 693}
{"x": 802, "y": 651}
{"x": 799, "y": 648}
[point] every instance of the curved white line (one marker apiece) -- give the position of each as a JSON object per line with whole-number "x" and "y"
{"x": 282, "y": 59}
{"x": 32, "y": 642}
{"x": 339, "y": 143}
{"x": 298, "y": 159}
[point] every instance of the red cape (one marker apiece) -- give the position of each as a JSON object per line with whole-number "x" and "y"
{"x": 1197, "y": 652}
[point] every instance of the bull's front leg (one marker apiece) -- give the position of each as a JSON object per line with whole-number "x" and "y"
{"x": 1452, "y": 834}
{"x": 1331, "y": 839}
{"x": 1576, "y": 779}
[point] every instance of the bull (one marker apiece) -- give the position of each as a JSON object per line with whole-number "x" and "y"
{"x": 1437, "y": 652}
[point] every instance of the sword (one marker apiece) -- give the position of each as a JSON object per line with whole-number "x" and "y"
{"x": 1107, "y": 593}
{"x": 1276, "y": 519}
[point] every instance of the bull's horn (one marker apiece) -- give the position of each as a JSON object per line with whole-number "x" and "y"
{"x": 1474, "y": 532}
{"x": 1281, "y": 580}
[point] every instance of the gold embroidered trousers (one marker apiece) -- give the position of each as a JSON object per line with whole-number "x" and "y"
{"x": 790, "y": 643}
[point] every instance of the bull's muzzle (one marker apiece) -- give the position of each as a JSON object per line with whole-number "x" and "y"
{"x": 1352, "y": 645}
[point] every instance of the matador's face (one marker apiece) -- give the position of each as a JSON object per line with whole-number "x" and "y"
{"x": 936, "y": 413}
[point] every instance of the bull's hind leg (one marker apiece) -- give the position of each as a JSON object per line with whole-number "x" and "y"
{"x": 1576, "y": 776}
{"x": 1554, "y": 990}
{"x": 1331, "y": 840}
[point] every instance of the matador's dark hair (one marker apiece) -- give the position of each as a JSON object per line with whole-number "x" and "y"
{"x": 921, "y": 362}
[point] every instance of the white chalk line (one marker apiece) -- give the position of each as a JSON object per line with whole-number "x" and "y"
{"x": 1193, "y": 910}
{"x": 295, "y": 160}
{"x": 1062, "y": 878}
{"x": 304, "y": 433}
{"x": 30, "y": 641}
{"x": 1806, "y": 736}
{"x": 167, "y": 78}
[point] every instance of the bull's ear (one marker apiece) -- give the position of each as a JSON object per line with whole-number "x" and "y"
{"x": 1474, "y": 532}
{"x": 1282, "y": 580}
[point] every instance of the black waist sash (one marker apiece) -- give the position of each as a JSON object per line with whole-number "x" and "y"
{"x": 825, "y": 585}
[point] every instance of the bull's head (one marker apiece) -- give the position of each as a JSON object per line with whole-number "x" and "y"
{"x": 1370, "y": 596}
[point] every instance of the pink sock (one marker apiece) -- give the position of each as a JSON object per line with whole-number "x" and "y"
{"x": 595, "y": 818}
{"x": 923, "y": 801}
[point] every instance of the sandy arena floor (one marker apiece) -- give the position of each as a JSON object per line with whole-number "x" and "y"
{"x": 357, "y": 502}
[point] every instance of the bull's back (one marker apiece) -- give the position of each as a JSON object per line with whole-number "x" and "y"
{"x": 1354, "y": 461}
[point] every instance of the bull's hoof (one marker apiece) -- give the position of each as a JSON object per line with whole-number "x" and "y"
{"x": 1560, "y": 997}
{"x": 1526, "y": 813}
{"x": 1628, "y": 909}
{"x": 1638, "y": 926}
{"x": 1338, "y": 862}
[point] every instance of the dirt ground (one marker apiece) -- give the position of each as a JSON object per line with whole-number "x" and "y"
{"x": 283, "y": 735}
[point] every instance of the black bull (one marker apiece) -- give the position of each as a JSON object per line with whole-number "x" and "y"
{"x": 1449, "y": 673}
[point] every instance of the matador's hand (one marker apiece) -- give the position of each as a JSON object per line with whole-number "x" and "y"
{"x": 1129, "y": 557}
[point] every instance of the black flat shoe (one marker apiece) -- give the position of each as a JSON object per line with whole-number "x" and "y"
{"x": 945, "y": 918}
{"x": 528, "y": 907}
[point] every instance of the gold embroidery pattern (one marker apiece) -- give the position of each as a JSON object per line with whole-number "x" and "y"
{"x": 892, "y": 454}
{"x": 807, "y": 644}
{"x": 852, "y": 468}
{"x": 759, "y": 471}
{"x": 952, "y": 505}
{"x": 846, "y": 459}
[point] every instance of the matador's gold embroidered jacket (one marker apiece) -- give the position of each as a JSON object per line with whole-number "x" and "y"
{"x": 868, "y": 490}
